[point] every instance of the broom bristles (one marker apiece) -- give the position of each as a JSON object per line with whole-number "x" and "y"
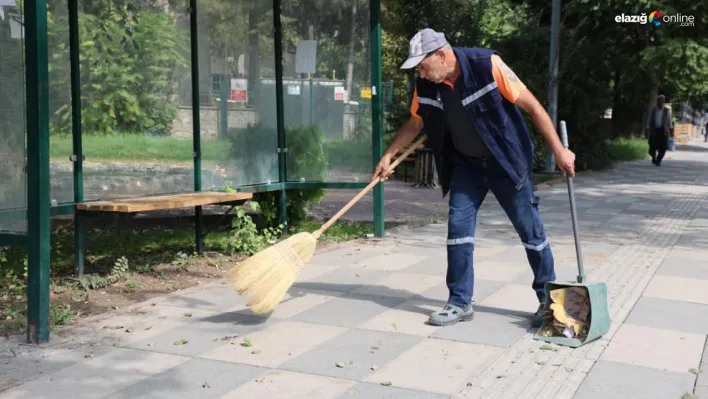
{"x": 264, "y": 278}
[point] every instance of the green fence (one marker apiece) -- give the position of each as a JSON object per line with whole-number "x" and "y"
{"x": 106, "y": 99}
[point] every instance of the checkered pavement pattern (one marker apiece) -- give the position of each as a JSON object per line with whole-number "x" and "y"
{"x": 354, "y": 324}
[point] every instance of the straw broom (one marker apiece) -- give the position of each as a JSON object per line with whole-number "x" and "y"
{"x": 264, "y": 278}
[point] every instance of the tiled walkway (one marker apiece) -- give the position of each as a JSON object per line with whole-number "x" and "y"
{"x": 353, "y": 326}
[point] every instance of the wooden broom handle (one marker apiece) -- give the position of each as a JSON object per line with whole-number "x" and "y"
{"x": 369, "y": 187}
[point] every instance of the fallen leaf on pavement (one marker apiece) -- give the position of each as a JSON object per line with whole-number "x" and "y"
{"x": 181, "y": 342}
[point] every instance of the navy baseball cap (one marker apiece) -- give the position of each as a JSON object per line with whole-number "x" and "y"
{"x": 424, "y": 42}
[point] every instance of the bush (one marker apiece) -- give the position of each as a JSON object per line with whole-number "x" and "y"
{"x": 306, "y": 159}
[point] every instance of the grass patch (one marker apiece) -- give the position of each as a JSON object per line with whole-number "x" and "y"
{"x": 138, "y": 147}
{"x": 624, "y": 149}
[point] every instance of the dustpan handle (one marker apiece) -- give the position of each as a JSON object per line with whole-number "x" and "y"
{"x": 371, "y": 185}
{"x": 573, "y": 211}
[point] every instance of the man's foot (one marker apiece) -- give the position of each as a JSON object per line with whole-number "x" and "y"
{"x": 657, "y": 163}
{"x": 653, "y": 161}
{"x": 538, "y": 317}
{"x": 450, "y": 315}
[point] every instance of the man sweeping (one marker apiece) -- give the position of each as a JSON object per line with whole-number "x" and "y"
{"x": 468, "y": 100}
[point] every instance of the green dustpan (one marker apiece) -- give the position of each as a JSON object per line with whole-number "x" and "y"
{"x": 598, "y": 321}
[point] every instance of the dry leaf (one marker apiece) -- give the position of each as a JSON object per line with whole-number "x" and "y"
{"x": 187, "y": 315}
{"x": 386, "y": 383}
{"x": 256, "y": 351}
{"x": 181, "y": 342}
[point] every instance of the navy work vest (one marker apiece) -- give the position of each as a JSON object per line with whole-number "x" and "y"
{"x": 499, "y": 122}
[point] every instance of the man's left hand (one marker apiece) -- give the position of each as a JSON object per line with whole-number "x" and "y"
{"x": 565, "y": 160}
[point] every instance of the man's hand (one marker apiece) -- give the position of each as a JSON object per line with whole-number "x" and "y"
{"x": 565, "y": 159}
{"x": 382, "y": 169}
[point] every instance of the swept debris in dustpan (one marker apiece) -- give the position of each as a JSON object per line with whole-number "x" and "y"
{"x": 570, "y": 314}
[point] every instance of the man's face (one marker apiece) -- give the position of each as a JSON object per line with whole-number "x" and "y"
{"x": 433, "y": 68}
{"x": 660, "y": 102}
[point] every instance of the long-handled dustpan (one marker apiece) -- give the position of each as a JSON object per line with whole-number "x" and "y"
{"x": 578, "y": 311}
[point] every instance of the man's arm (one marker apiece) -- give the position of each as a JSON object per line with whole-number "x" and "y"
{"x": 528, "y": 102}
{"x": 516, "y": 92}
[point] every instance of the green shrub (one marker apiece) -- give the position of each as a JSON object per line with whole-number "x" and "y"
{"x": 306, "y": 159}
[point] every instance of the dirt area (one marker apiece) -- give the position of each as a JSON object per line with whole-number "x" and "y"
{"x": 160, "y": 279}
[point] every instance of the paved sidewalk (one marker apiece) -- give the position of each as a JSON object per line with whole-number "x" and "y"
{"x": 353, "y": 326}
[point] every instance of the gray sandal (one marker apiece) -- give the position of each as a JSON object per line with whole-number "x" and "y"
{"x": 450, "y": 315}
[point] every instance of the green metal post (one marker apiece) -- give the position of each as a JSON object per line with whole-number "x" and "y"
{"x": 280, "y": 119}
{"x": 196, "y": 125}
{"x": 377, "y": 93}
{"x": 37, "y": 81}
{"x": 78, "y": 157}
{"x": 310, "y": 100}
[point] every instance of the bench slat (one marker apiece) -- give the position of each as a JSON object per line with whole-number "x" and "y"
{"x": 163, "y": 202}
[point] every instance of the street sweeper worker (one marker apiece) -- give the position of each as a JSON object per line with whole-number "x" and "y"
{"x": 469, "y": 103}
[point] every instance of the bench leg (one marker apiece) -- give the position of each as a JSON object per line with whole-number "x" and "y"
{"x": 78, "y": 244}
{"x": 198, "y": 222}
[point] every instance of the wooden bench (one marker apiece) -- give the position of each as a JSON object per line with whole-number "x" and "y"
{"x": 163, "y": 202}
{"x": 410, "y": 159}
{"x": 125, "y": 208}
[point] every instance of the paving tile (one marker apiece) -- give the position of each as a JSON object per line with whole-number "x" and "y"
{"x": 498, "y": 271}
{"x": 437, "y": 365}
{"x": 357, "y": 350}
{"x": 343, "y": 279}
{"x": 670, "y": 315}
{"x": 515, "y": 254}
{"x": 349, "y": 310}
{"x": 563, "y": 274}
{"x": 201, "y": 333}
{"x": 490, "y": 326}
{"x": 439, "y": 294}
{"x": 346, "y": 256}
{"x": 692, "y": 269}
{"x": 656, "y": 348}
{"x": 279, "y": 384}
{"x": 97, "y": 377}
{"x": 271, "y": 344}
{"x": 188, "y": 380}
{"x": 294, "y": 302}
{"x": 213, "y": 299}
{"x": 391, "y": 261}
{"x": 520, "y": 298}
{"x": 410, "y": 317}
{"x": 403, "y": 285}
{"x": 678, "y": 289}
{"x": 312, "y": 271}
{"x": 433, "y": 265}
{"x": 610, "y": 380}
{"x": 365, "y": 390}
{"x": 687, "y": 253}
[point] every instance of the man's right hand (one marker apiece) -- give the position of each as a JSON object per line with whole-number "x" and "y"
{"x": 382, "y": 169}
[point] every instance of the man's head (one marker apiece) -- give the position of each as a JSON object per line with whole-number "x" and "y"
{"x": 432, "y": 54}
{"x": 660, "y": 100}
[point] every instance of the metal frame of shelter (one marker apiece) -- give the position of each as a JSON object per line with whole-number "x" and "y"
{"x": 39, "y": 210}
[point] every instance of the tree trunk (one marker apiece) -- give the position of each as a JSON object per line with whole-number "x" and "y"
{"x": 352, "y": 41}
{"x": 655, "y": 84}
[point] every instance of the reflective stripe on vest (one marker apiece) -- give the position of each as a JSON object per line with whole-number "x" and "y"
{"x": 430, "y": 101}
{"x": 479, "y": 93}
